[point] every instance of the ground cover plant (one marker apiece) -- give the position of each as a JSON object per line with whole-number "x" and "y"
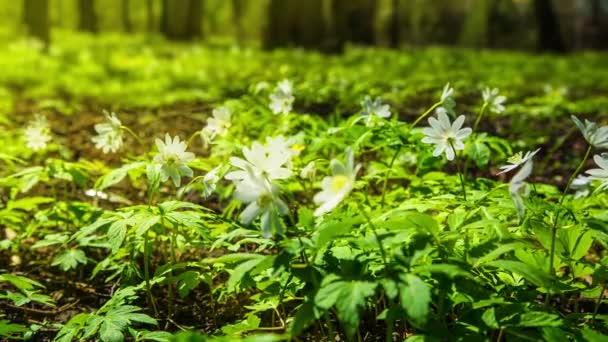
{"x": 154, "y": 193}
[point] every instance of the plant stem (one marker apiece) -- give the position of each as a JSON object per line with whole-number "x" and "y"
{"x": 194, "y": 135}
{"x": 576, "y": 172}
{"x": 390, "y": 168}
{"x": 426, "y": 113}
{"x": 599, "y": 301}
{"x": 147, "y": 272}
{"x": 481, "y": 112}
{"x": 382, "y": 252}
{"x": 460, "y": 175}
{"x": 552, "y": 256}
{"x": 133, "y": 134}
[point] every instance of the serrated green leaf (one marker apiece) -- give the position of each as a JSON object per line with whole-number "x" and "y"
{"x": 349, "y": 298}
{"x": 70, "y": 259}
{"x": 110, "y": 332}
{"x": 415, "y": 298}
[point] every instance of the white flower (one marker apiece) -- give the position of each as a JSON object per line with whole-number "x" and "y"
{"x": 334, "y": 188}
{"x": 210, "y": 181}
{"x": 308, "y": 171}
{"x": 172, "y": 157}
{"x": 373, "y": 110}
{"x": 446, "y": 98}
{"x": 595, "y": 135}
{"x": 263, "y": 200}
{"x": 96, "y": 193}
{"x": 285, "y": 87}
{"x": 109, "y": 134}
{"x": 516, "y": 160}
{"x": 581, "y": 185}
{"x": 519, "y": 189}
{"x": 495, "y": 101}
{"x": 447, "y": 136}
{"x": 600, "y": 173}
{"x": 218, "y": 124}
{"x": 38, "y": 133}
{"x": 265, "y": 161}
{"x": 281, "y": 100}
{"x": 447, "y": 92}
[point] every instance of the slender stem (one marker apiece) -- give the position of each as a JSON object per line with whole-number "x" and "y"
{"x": 147, "y": 272}
{"x": 552, "y": 256}
{"x": 481, "y": 112}
{"x": 599, "y": 301}
{"x": 194, "y": 135}
{"x": 426, "y": 113}
{"x": 460, "y": 175}
{"x": 390, "y": 168}
{"x": 382, "y": 251}
{"x": 499, "y": 335}
{"x": 576, "y": 172}
{"x": 133, "y": 134}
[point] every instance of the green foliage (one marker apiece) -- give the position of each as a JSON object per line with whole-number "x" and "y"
{"x": 330, "y": 220}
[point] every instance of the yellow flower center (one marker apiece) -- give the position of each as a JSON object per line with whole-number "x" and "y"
{"x": 338, "y": 182}
{"x": 516, "y": 158}
{"x": 297, "y": 147}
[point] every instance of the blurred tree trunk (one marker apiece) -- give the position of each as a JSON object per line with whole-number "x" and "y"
{"x": 394, "y": 29}
{"x": 295, "y": 22}
{"x": 126, "y": 16}
{"x": 87, "y": 17}
{"x": 36, "y": 18}
{"x": 238, "y": 9}
{"x": 182, "y": 19}
{"x": 310, "y": 26}
{"x": 278, "y": 27}
{"x": 475, "y": 31}
{"x": 354, "y": 21}
{"x": 150, "y": 15}
{"x": 549, "y": 34}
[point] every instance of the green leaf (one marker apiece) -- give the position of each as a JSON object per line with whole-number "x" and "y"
{"x": 115, "y": 176}
{"x": 592, "y": 335}
{"x": 500, "y": 250}
{"x": 116, "y": 234}
{"x": 186, "y": 282}
{"x": 70, "y": 259}
{"x": 447, "y": 269}
{"x": 349, "y": 298}
{"x": 252, "y": 322}
{"x": 22, "y": 283}
{"x": 144, "y": 223}
{"x": 10, "y": 330}
{"x": 479, "y": 152}
{"x": 158, "y": 336}
{"x": 110, "y": 332}
{"x": 333, "y": 228}
{"x": 415, "y": 297}
{"x": 241, "y": 270}
{"x": 533, "y": 274}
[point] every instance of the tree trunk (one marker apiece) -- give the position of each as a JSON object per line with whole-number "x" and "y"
{"x": 394, "y": 28}
{"x": 354, "y": 21}
{"x": 238, "y": 9}
{"x": 182, "y": 19}
{"x": 296, "y": 23}
{"x": 475, "y": 31}
{"x": 278, "y": 30}
{"x": 88, "y": 18}
{"x": 310, "y": 26}
{"x": 126, "y": 16}
{"x": 549, "y": 34}
{"x": 150, "y": 15}
{"x": 36, "y": 19}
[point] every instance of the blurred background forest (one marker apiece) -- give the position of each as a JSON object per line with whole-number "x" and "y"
{"x": 326, "y": 25}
